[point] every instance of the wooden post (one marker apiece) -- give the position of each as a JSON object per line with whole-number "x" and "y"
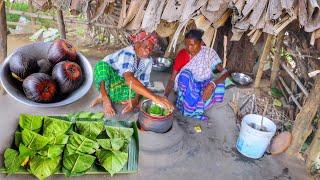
{"x": 262, "y": 60}
{"x": 277, "y": 57}
{"x": 3, "y": 36}
{"x": 62, "y": 27}
{"x": 3, "y": 31}
{"x": 302, "y": 125}
{"x": 33, "y": 20}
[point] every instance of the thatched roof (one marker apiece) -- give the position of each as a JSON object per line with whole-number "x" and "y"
{"x": 250, "y": 17}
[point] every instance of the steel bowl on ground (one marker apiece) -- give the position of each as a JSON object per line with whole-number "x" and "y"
{"x": 241, "y": 78}
{"x": 158, "y": 124}
{"x": 161, "y": 64}
{"x": 39, "y": 50}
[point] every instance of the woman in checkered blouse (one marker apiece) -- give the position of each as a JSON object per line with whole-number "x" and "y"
{"x": 121, "y": 77}
{"x": 192, "y": 77}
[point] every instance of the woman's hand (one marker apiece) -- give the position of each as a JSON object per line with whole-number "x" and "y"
{"x": 164, "y": 102}
{"x": 207, "y": 92}
{"x": 129, "y": 105}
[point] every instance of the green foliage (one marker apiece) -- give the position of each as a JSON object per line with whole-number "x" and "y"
{"x": 33, "y": 140}
{"x": 59, "y": 140}
{"x": 275, "y": 92}
{"x": 15, "y": 6}
{"x": 77, "y": 163}
{"x": 43, "y": 167}
{"x": 105, "y": 143}
{"x": 119, "y": 132}
{"x": 31, "y": 122}
{"x": 17, "y": 138}
{"x": 83, "y": 144}
{"x": 55, "y": 127}
{"x": 46, "y": 145}
{"x": 12, "y": 160}
{"x": 112, "y": 161}
{"x": 156, "y": 110}
{"x": 51, "y": 151}
{"x": 90, "y": 129}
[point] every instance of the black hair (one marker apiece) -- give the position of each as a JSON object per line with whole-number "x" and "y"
{"x": 194, "y": 34}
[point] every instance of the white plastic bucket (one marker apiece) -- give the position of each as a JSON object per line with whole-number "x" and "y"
{"x": 253, "y": 142}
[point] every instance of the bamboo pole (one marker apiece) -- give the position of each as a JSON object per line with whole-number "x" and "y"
{"x": 262, "y": 60}
{"x": 295, "y": 78}
{"x": 290, "y": 92}
{"x": 71, "y": 21}
{"x": 276, "y": 61}
{"x": 225, "y": 41}
{"x": 3, "y": 31}
{"x": 62, "y": 27}
{"x": 33, "y": 20}
{"x": 302, "y": 127}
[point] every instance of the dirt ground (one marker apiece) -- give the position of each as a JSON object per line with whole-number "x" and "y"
{"x": 210, "y": 154}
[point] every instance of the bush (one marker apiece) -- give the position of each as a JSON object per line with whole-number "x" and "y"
{"x": 16, "y": 6}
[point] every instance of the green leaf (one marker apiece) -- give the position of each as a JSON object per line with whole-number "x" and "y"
{"x": 83, "y": 144}
{"x": 275, "y": 92}
{"x": 119, "y": 132}
{"x": 155, "y": 109}
{"x": 43, "y": 167}
{"x": 51, "y": 151}
{"x": 84, "y": 115}
{"x": 31, "y": 122}
{"x": 59, "y": 140}
{"x": 55, "y": 127}
{"x": 77, "y": 163}
{"x": 98, "y": 115}
{"x": 17, "y": 138}
{"x": 90, "y": 129}
{"x": 277, "y": 102}
{"x": 112, "y": 161}
{"x": 12, "y": 161}
{"x": 105, "y": 143}
{"x": 117, "y": 143}
{"x": 33, "y": 140}
{"x": 70, "y": 149}
{"x": 25, "y": 151}
{"x": 25, "y": 154}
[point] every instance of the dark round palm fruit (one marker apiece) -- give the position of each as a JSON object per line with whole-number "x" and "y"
{"x": 68, "y": 75}
{"x": 61, "y": 50}
{"x": 22, "y": 65}
{"x": 40, "y": 87}
{"x": 44, "y": 66}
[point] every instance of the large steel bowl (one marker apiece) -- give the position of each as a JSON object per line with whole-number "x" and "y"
{"x": 39, "y": 50}
{"x": 241, "y": 78}
{"x": 161, "y": 64}
{"x": 158, "y": 124}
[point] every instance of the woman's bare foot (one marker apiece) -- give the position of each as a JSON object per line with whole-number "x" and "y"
{"x": 107, "y": 106}
{"x": 108, "y": 109}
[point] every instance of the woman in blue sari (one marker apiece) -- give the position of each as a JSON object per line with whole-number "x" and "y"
{"x": 192, "y": 77}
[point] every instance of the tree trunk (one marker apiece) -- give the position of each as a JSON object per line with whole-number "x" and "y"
{"x": 262, "y": 60}
{"x": 317, "y": 43}
{"x": 302, "y": 125}
{"x": 33, "y": 20}
{"x": 62, "y": 27}
{"x": 313, "y": 152}
{"x": 3, "y": 31}
{"x": 277, "y": 58}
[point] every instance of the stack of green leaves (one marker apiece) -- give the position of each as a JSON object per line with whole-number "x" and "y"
{"x": 44, "y": 145}
{"x": 156, "y": 110}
